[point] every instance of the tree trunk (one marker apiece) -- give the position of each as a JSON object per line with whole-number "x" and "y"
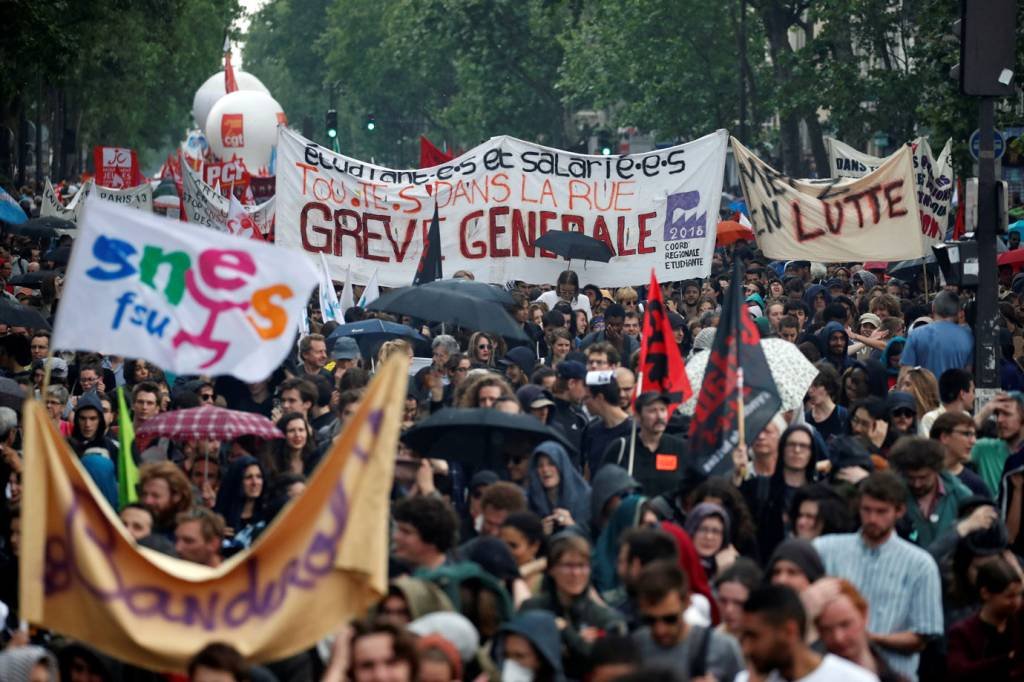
{"x": 777, "y": 23}
{"x": 817, "y": 146}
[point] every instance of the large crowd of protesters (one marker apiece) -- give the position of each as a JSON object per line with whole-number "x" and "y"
{"x": 874, "y": 534}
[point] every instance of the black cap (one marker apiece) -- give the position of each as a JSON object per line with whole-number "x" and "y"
{"x": 522, "y": 357}
{"x": 676, "y": 320}
{"x": 570, "y": 369}
{"x": 648, "y": 397}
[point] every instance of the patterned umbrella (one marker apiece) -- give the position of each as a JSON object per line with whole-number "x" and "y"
{"x": 207, "y": 421}
{"x": 792, "y": 371}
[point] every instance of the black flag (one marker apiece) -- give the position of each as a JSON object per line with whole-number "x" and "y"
{"x": 714, "y": 430}
{"x": 429, "y": 267}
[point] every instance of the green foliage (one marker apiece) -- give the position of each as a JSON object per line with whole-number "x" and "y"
{"x": 460, "y": 71}
{"x": 127, "y": 69}
{"x": 665, "y": 65}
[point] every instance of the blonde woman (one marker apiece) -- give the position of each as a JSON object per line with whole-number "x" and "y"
{"x": 920, "y": 383}
{"x": 394, "y": 347}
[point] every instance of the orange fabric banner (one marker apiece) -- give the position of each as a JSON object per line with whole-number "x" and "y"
{"x": 323, "y": 560}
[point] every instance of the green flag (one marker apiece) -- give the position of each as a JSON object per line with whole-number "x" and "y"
{"x": 127, "y": 472}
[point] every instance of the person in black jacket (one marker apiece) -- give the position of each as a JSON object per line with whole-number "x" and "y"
{"x": 769, "y": 497}
{"x": 89, "y": 428}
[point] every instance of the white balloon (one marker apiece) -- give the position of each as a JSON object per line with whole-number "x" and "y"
{"x": 244, "y": 124}
{"x": 213, "y": 89}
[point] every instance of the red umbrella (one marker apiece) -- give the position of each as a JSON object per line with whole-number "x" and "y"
{"x": 730, "y": 232}
{"x": 207, "y": 421}
{"x": 1015, "y": 257}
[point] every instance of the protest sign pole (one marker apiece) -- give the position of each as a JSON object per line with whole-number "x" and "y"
{"x": 986, "y": 334}
{"x": 741, "y": 426}
{"x": 632, "y": 432}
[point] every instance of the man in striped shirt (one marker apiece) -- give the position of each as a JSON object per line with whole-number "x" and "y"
{"x": 899, "y": 580}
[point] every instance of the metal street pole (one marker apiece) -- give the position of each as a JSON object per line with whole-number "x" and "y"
{"x": 986, "y": 329}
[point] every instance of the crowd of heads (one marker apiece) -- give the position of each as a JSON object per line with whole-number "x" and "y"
{"x": 585, "y": 543}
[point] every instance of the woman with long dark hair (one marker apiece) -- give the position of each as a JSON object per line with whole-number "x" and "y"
{"x": 296, "y": 452}
{"x": 240, "y": 498}
{"x": 769, "y": 498}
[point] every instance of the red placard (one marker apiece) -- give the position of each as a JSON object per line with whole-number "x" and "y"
{"x": 116, "y": 167}
{"x": 232, "y": 130}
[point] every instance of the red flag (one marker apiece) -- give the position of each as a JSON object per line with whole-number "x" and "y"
{"x": 230, "y": 84}
{"x": 661, "y": 363}
{"x": 958, "y": 226}
{"x": 431, "y": 155}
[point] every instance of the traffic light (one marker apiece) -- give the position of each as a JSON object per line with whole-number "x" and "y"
{"x": 332, "y": 123}
{"x": 604, "y": 142}
{"x": 987, "y": 33}
{"x": 371, "y": 122}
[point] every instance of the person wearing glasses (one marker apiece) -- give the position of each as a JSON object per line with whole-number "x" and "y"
{"x": 956, "y": 432}
{"x": 481, "y": 350}
{"x": 769, "y": 497}
{"x": 566, "y": 592}
{"x": 663, "y": 593}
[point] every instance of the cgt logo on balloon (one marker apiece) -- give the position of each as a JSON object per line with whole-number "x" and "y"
{"x": 197, "y": 291}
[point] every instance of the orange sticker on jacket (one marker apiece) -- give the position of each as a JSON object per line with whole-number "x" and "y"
{"x": 666, "y": 462}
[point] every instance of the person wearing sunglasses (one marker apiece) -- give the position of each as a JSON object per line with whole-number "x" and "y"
{"x": 663, "y": 593}
{"x": 481, "y": 350}
{"x": 902, "y": 413}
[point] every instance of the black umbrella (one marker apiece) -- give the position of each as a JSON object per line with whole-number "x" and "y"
{"x": 33, "y": 231}
{"x": 15, "y": 314}
{"x": 479, "y": 436}
{"x": 51, "y": 222}
{"x": 58, "y": 256}
{"x": 440, "y": 304}
{"x": 468, "y": 287}
{"x": 32, "y": 280}
{"x": 571, "y": 245}
{"x": 909, "y": 269}
{"x": 12, "y": 395}
{"x": 369, "y": 334}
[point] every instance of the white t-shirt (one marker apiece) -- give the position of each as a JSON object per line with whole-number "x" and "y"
{"x": 550, "y": 298}
{"x": 832, "y": 669}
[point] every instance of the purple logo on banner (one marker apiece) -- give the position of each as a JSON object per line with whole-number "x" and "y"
{"x": 679, "y": 224}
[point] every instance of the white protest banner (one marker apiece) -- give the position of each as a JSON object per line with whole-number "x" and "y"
{"x": 833, "y": 221}
{"x": 207, "y": 207}
{"x": 240, "y": 222}
{"x": 140, "y": 197}
{"x": 654, "y": 210}
{"x": 52, "y": 206}
{"x": 190, "y": 300}
{"x": 933, "y": 178}
{"x": 846, "y": 162}
{"x": 934, "y": 189}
